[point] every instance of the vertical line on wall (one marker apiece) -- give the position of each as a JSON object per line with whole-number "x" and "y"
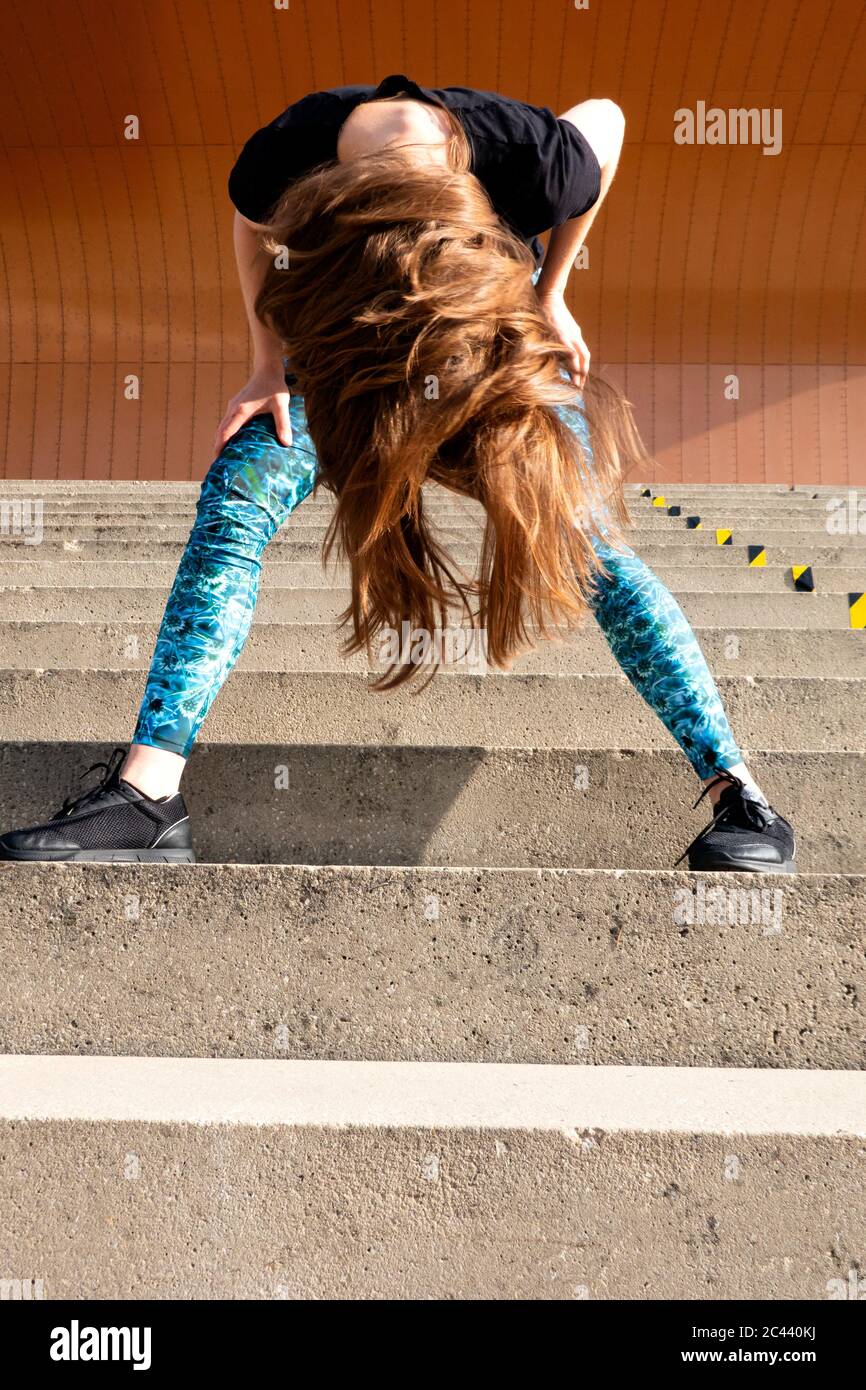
{"x": 530, "y": 47}
{"x": 202, "y": 121}
{"x": 309, "y": 42}
{"x": 807, "y": 203}
{"x": 112, "y": 429}
{"x": 653, "y": 68}
{"x": 688, "y": 246}
{"x": 765, "y": 353}
{"x": 10, "y": 303}
{"x": 828, "y": 240}
{"x": 340, "y": 47}
{"x": 561, "y": 66}
{"x": 139, "y": 432}
{"x": 738, "y": 289}
{"x": 57, "y": 261}
{"x": 146, "y": 16}
{"x": 499, "y": 47}
{"x": 376, "y": 74}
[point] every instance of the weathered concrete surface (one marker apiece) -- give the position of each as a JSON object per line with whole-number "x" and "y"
{"x": 90, "y": 518}
{"x": 454, "y": 710}
{"x": 318, "y": 647}
{"x": 135, "y": 1178}
{"x": 456, "y": 530}
{"x": 834, "y": 509}
{"x": 117, "y": 603}
{"x": 313, "y": 526}
{"x": 148, "y": 491}
{"x": 73, "y": 494}
{"x": 656, "y": 551}
{"x": 566, "y": 807}
{"x": 503, "y": 965}
{"x": 304, "y": 571}
{"x": 242, "y": 1178}
{"x": 662, "y": 552}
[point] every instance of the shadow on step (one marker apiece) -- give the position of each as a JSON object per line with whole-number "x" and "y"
{"x": 559, "y": 808}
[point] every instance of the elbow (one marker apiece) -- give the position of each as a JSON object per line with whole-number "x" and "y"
{"x": 614, "y": 121}
{"x": 602, "y": 123}
{"x": 609, "y": 130}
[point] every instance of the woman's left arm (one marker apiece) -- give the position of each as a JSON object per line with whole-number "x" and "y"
{"x": 602, "y": 124}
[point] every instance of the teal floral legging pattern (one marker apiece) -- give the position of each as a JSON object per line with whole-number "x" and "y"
{"x": 253, "y": 487}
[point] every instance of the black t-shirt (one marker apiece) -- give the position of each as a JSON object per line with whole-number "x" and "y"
{"x": 538, "y": 171}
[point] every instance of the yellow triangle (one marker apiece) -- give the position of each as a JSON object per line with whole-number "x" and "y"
{"x": 759, "y": 559}
{"x": 722, "y": 536}
{"x": 658, "y": 501}
{"x": 857, "y": 612}
{"x": 797, "y": 570}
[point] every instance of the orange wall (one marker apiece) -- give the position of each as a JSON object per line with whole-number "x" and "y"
{"x": 706, "y": 260}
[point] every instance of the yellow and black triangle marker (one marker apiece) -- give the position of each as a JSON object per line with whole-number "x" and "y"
{"x": 724, "y": 537}
{"x": 675, "y": 511}
{"x": 757, "y": 555}
{"x": 658, "y": 501}
{"x": 804, "y": 581}
{"x": 857, "y": 610}
{"x": 694, "y": 523}
{"x": 646, "y": 492}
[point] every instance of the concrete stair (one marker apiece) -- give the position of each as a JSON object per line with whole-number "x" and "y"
{"x": 323, "y": 1180}
{"x": 434, "y": 1017}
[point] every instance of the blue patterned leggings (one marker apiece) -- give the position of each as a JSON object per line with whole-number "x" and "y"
{"x": 248, "y": 494}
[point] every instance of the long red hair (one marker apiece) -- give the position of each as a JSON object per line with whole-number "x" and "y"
{"x": 423, "y": 356}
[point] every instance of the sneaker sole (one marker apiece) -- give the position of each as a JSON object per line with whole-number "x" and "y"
{"x": 718, "y": 865}
{"x": 98, "y": 856}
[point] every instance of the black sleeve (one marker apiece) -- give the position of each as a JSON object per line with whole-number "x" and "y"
{"x": 539, "y": 170}
{"x": 303, "y": 136}
{"x": 581, "y": 177}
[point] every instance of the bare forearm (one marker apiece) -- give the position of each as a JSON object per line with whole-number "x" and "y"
{"x": 252, "y": 263}
{"x": 603, "y": 125}
{"x": 566, "y": 240}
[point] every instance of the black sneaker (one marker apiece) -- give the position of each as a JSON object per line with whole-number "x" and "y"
{"x": 111, "y": 823}
{"x": 744, "y": 836}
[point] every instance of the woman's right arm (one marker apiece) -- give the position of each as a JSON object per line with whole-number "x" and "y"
{"x": 266, "y": 389}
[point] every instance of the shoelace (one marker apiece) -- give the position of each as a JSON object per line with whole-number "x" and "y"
{"x": 754, "y": 812}
{"x": 75, "y": 803}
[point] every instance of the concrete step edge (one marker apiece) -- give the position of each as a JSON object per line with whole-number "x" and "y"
{"x": 568, "y": 1099}
{"x": 80, "y": 644}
